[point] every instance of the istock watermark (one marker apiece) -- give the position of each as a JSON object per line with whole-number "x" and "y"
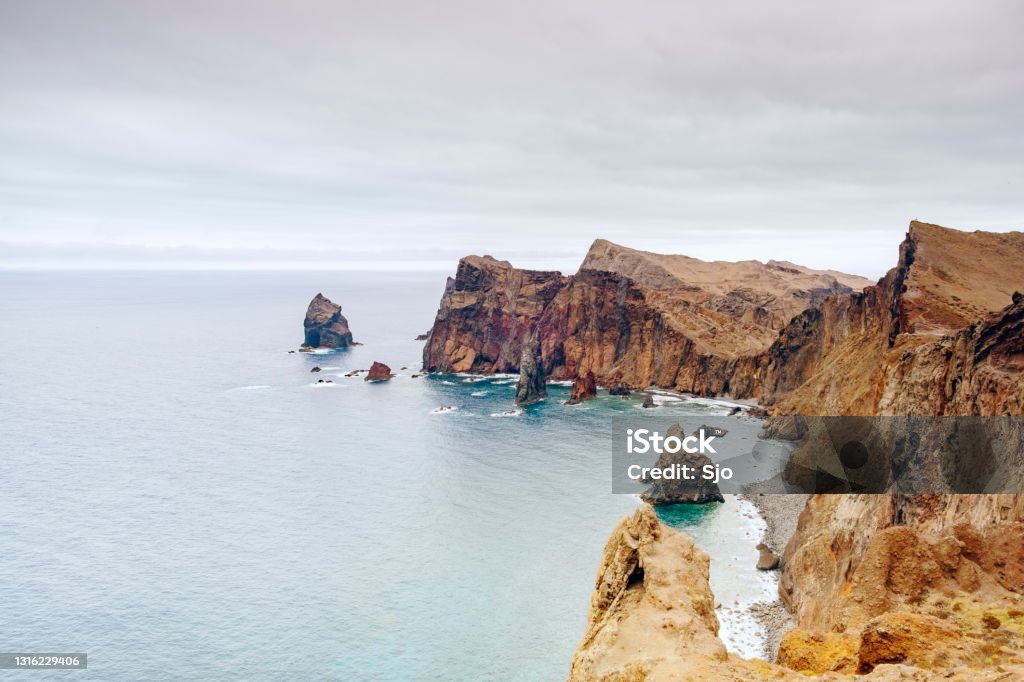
{"x": 679, "y": 457}
{"x": 644, "y": 441}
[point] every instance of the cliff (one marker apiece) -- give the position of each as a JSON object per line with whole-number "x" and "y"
{"x": 628, "y": 316}
{"x": 941, "y": 333}
{"x": 888, "y": 586}
{"x": 325, "y": 326}
{"x": 652, "y": 619}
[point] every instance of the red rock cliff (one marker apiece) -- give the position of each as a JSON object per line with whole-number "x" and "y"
{"x": 628, "y": 316}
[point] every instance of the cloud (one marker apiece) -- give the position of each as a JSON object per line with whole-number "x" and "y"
{"x": 811, "y": 131}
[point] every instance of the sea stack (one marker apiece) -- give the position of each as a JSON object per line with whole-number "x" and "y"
{"x": 325, "y": 326}
{"x": 378, "y": 372}
{"x": 532, "y": 386}
{"x": 681, "y": 491}
{"x": 584, "y": 387}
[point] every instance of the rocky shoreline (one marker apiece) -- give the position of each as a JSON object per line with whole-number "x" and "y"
{"x": 780, "y": 514}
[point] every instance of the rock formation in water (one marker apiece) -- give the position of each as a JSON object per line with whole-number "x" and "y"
{"x": 532, "y": 385}
{"x": 584, "y": 387}
{"x": 679, "y": 490}
{"x": 378, "y": 372}
{"x": 325, "y": 326}
{"x": 628, "y": 316}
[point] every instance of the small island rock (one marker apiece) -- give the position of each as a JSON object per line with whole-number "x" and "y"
{"x": 378, "y": 372}
{"x": 325, "y": 326}
{"x": 584, "y": 387}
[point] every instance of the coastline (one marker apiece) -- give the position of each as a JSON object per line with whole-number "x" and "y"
{"x": 780, "y": 514}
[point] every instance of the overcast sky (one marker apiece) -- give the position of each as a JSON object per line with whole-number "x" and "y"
{"x": 368, "y": 134}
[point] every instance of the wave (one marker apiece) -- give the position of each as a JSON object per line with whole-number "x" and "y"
{"x": 444, "y": 409}
{"x": 255, "y": 387}
{"x": 479, "y": 394}
{"x": 510, "y": 413}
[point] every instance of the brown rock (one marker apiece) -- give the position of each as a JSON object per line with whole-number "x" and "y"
{"x": 378, "y": 372}
{"x": 631, "y": 635}
{"x": 939, "y": 334}
{"x": 818, "y": 653}
{"x": 532, "y": 385}
{"x": 629, "y": 316}
{"x": 767, "y": 559}
{"x": 325, "y": 326}
{"x": 681, "y": 491}
{"x": 915, "y": 639}
{"x": 584, "y": 387}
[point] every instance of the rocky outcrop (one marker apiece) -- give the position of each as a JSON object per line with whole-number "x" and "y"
{"x": 682, "y": 491}
{"x": 584, "y": 387}
{"x": 628, "y": 316}
{"x": 767, "y": 560}
{"x": 325, "y": 326}
{"x": 630, "y": 634}
{"x": 652, "y": 619}
{"x": 532, "y": 385}
{"x": 487, "y": 313}
{"x": 378, "y": 372}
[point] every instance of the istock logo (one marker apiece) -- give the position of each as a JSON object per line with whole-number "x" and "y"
{"x": 642, "y": 441}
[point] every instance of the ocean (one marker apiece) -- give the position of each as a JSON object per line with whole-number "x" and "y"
{"x": 181, "y": 499}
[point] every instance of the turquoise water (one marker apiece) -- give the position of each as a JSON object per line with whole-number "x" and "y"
{"x": 180, "y": 499}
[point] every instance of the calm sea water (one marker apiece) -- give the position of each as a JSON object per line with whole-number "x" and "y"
{"x": 180, "y": 499}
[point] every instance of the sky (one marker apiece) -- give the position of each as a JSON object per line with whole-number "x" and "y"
{"x": 388, "y": 134}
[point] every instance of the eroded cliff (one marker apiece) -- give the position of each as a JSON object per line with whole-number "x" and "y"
{"x": 628, "y": 316}
{"x": 892, "y": 586}
{"x": 652, "y": 619}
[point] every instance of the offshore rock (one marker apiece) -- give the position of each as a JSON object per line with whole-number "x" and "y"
{"x": 378, "y": 372}
{"x": 532, "y": 385}
{"x": 682, "y": 491}
{"x": 325, "y": 326}
{"x": 584, "y": 388}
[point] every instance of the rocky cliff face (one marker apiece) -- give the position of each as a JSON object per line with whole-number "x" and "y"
{"x": 488, "y": 310}
{"x": 325, "y": 326}
{"x": 941, "y": 333}
{"x": 628, "y": 316}
{"x": 891, "y": 586}
{"x": 652, "y": 619}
